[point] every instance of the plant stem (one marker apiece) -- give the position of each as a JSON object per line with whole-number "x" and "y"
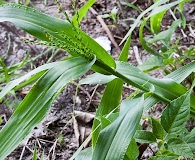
{"x": 127, "y": 80}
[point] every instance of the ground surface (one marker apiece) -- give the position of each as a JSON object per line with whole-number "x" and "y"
{"x": 55, "y": 136}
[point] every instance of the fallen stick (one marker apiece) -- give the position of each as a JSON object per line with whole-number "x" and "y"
{"x": 99, "y": 18}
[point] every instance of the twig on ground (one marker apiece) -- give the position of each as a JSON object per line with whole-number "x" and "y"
{"x": 76, "y": 131}
{"x": 87, "y": 93}
{"x": 37, "y": 140}
{"x": 93, "y": 94}
{"x": 118, "y": 37}
{"x": 100, "y": 19}
{"x": 191, "y": 31}
{"x": 54, "y": 148}
{"x": 136, "y": 51}
{"x": 174, "y": 17}
{"x": 23, "y": 149}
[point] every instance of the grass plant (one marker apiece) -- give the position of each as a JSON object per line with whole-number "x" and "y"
{"x": 116, "y": 127}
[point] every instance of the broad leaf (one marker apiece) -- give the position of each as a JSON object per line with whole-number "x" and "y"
{"x": 142, "y": 136}
{"x": 36, "y": 104}
{"x": 155, "y": 22}
{"x": 114, "y": 139}
{"x": 132, "y": 151}
{"x": 175, "y": 116}
{"x": 157, "y": 129}
{"x": 164, "y": 89}
{"x": 125, "y": 52}
{"x": 190, "y": 140}
{"x": 152, "y": 63}
{"x": 179, "y": 147}
{"x": 97, "y": 78}
{"x": 111, "y": 96}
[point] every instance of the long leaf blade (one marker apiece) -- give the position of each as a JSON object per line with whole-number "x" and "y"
{"x": 82, "y": 12}
{"x": 56, "y": 32}
{"x": 119, "y": 132}
{"x": 36, "y": 104}
{"x": 109, "y": 102}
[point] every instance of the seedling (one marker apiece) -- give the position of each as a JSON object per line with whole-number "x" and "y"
{"x": 112, "y": 15}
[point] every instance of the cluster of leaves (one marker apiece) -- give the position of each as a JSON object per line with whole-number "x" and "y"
{"x": 116, "y": 130}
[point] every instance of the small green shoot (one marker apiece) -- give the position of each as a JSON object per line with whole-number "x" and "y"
{"x": 113, "y": 15}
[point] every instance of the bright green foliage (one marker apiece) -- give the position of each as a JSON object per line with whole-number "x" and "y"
{"x": 86, "y": 154}
{"x": 173, "y": 121}
{"x": 157, "y": 129}
{"x": 155, "y": 22}
{"x": 114, "y": 91}
{"x": 55, "y": 32}
{"x": 35, "y": 153}
{"x": 189, "y": 138}
{"x": 120, "y": 132}
{"x": 36, "y": 104}
{"x": 82, "y": 12}
{"x": 132, "y": 151}
{"x": 112, "y": 15}
{"x": 175, "y": 116}
{"x": 165, "y": 36}
{"x": 144, "y": 136}
{"x": 179, "y": 147}
{"x": 116, "y": 128}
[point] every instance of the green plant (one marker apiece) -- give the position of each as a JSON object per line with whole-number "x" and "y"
{"x": 2, "y": 2}
{"x": 112, "y": 15}
{"x": 115, "y": 132}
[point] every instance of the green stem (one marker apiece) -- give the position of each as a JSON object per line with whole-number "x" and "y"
{"x": 127, "y": 80}
{"x": 5, "y": 70}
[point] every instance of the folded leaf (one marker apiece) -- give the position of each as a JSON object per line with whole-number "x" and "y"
{"x": 16, "y": 82}
{"x": 36, "y": 104}
{"x": 114, "y": 139}
{"x": 110, "y": 100}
